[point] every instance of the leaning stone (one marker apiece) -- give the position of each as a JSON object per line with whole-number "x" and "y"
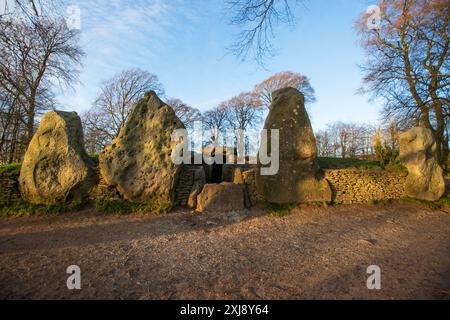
{"x": 222, "y": 197}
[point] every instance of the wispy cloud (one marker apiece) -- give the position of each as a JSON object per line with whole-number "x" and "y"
{"x": 140, "y": 26}
{"x": 118, "y": 34}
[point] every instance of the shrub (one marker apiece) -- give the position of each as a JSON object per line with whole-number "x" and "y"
{"x": 385, "y": 154}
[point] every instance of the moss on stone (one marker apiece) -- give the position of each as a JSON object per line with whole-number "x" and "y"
{"x": 13, "y": 168}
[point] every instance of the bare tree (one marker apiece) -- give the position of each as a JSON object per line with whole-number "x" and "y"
{"x": 31, "y": 10}
{"x": 346, "y": 140}
{"x": 283, "y": 80}
{"x": 408, "y": 64}
{"x": 36, "y": 57}
{"x": 215, "y": 122}
{"x": 187, "y": 114}
{"x": 324, "y": 146}
{"x": 115, "y": 103}
{"x": 258, "y": 18}
{"x": 244, "y": 110}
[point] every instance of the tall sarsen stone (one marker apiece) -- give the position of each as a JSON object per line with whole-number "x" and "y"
{"x": 299, "y": 179}
{"x": 138, "y": 163}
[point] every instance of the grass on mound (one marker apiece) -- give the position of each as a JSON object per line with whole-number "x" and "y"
{"x": 433, "y": 205}
{"x": 25, "y": 209}
{"x": 348, "y": 163}
{"x": 339, "y": 163}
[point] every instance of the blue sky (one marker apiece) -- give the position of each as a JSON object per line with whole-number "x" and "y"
{"x": 185, "y": 42}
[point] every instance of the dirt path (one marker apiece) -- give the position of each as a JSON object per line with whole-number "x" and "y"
{"x": 313, "y": 253}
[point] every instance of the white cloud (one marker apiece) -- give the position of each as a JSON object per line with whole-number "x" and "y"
{"x": 119, "y": 34}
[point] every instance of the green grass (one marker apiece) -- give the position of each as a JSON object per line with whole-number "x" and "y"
{"x": 13, "y": 168}
{"x": 432, "y": 205}
{"x": 24, "y": 209}
{"x": 279, "y": 210}
{"x": 339, "y": 163}
{"x": 396, "y": 166}
{"x": 120, "y": 206}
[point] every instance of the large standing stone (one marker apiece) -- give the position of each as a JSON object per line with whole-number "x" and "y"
{"x": 298, "y": 179}
{"x": 56, "y": 167}
{"x": 138, "y": 163}
{"x": 425, "y": 180}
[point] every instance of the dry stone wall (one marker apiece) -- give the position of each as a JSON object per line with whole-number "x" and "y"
{"x": 9, "y": 188}
{"x": 362, "y": 186}
{"x": 351, "y": 185}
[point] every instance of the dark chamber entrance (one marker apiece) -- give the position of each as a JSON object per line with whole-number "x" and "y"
{"x": 216, "y": 174}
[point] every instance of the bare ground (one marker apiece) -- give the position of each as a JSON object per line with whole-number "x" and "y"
{"x": 315, "y": 253}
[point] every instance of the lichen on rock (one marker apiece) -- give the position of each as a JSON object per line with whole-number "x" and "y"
{"x": 425, "y": 180}
{"x": 138, "y": 162}
{"x": 56, "y": 167}
{"x": 299, "y": 177}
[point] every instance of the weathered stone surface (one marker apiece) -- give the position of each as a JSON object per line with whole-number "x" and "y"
{"x": 299, "y": 177}
{"x": 237, "y": 176}
{"x": 197, "y": 187}
{"x": 226, "y": 196}
{"x": 425, "y": 180}
{"x": 138, "y": 163}
{"x": 56, "y": 167}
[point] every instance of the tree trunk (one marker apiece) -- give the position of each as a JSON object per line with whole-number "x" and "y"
{"x": 30, "y": 123}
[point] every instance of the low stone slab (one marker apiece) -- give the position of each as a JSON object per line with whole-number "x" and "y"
{"x": 221, "y": 197}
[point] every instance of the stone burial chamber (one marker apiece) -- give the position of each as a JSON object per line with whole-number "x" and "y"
{"x": 138, "y": 165}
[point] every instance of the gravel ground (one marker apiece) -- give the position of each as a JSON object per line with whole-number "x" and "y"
{"x": 314, "y": 253}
